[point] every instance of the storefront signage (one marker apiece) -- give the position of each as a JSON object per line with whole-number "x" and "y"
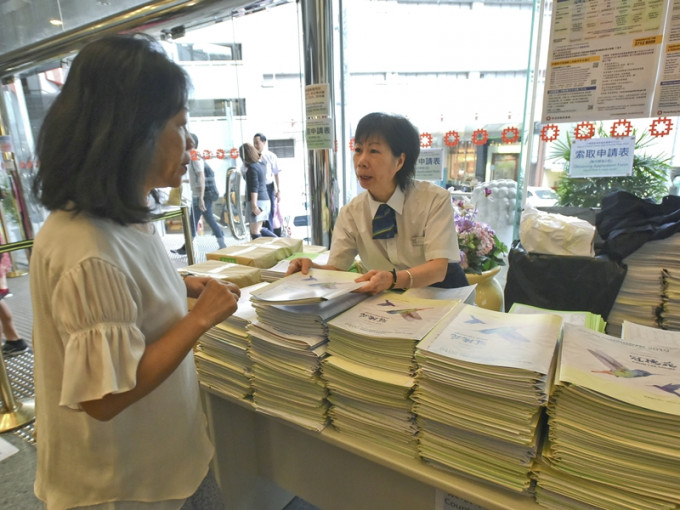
{"x": 602, "y": 157}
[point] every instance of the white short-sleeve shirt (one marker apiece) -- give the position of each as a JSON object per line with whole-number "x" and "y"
{"x": 425, "y": 230}
{"x": 101, "y": 293}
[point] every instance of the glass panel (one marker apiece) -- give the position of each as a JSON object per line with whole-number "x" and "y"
{"x": 246, "y": 81}
{"x": 454, "y": 72}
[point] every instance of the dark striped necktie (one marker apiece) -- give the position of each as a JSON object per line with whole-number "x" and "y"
{"x": 384, "y": 223}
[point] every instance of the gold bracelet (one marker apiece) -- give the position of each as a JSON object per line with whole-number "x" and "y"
{"x": 410, "y": 279}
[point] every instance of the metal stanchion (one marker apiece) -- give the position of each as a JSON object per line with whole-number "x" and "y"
{"x": 183, "y": 212}
{"x": 14, "y": 413}
{"x": 188, "y": 241}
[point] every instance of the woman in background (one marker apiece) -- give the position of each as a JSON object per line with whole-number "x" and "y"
{"x": 118, "y": 412}
{"x": 256, "y": 191}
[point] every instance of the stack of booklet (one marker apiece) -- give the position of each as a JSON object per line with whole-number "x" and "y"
{"x": 640, "y": 298}
{"x": 614, "y": 419}
{"x": 586, "y": 319}
{"x": 221, "y": 356}
{"x": 669, "y": 316}
{"x": 483, "y": 381}
{"x": 289, "y": 339}
{"x": 370, "y": 367}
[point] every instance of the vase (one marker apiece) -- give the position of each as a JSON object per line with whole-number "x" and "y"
{"x": 489, "y": 293}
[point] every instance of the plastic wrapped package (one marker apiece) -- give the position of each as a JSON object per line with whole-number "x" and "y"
{"x": 556, "y": 234}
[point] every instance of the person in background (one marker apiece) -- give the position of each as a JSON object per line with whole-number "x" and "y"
{"x": 402, "y": 229}
{"x": 271, "y": 162}
{"x": 119, "y": 418}
{"x": 13, "y": 345}
{"x": 203, "y": 195}
{"x": 256, "y": 191}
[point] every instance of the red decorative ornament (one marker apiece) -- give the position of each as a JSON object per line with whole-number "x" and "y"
{"x": 661, "y": 121}
{"x": 584, "y": 131}
{"x": 510, "y": 135}
{"x": 207, "y": 154}
{"x": 480, "y": 136}
{"x": 451, "y": 138}
{"x": 220, "y": 154}
{"x": 621, "y": 128}
{"x": 425, "y": 140}
{"x": 194, "y": 154}
{"x": 550, "y": 132}
{"x": 233, "y": 153}
{"x": 351, "y": 144}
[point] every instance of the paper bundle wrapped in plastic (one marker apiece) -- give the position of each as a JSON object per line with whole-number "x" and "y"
{"x": 556, "y": 234}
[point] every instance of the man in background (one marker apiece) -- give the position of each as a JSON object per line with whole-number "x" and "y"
{"x": 271, "y": 161}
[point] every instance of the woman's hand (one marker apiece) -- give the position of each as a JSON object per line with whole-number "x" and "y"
{"x": 195, "y": 285}
{"x": 377, "y": 281}
{"x": 201, "y": 204}
{"x": 302, "y": 264}
{"x": 216, "y": 302}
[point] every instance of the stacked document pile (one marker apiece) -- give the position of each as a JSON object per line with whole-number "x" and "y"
{"x": 614, "y": 422}
{"x": 279, "y": 270}
{"x": 221, "y": 356}
{"x": 640, "y": 298}
{"x": 669, "y": 317}
{"x": 586, "y": 319}
{"x": 482, "y": 384}
{"x": 263, "y": 252}
{"x": 370, "y": 367}
{"x": 288, "y": 342}
{"x": 243, "y": 276}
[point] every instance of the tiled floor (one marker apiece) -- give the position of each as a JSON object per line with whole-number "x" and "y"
{"x": 17, "y": 472}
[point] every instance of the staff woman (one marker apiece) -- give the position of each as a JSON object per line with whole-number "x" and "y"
{"x": 402, "y": 229}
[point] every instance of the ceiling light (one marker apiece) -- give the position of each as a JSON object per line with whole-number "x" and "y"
{"x": 56, "y": 22}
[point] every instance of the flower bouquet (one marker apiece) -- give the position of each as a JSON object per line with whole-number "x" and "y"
{"x": 480, "y": 248}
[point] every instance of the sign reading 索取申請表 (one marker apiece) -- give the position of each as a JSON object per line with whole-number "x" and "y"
{"x": 430, "y": 165}
{"x": 602, "y": 157}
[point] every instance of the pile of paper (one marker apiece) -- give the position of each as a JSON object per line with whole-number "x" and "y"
{"x": 289, "y": 341}
{"x": 640, "y": 298}
{"x": 221, "y": 356}
{"x": 243, "y": 276}
{"x": 614, "y": 419}
{"x": 369, "y": 371}
{"x": 669, "y": 316}
{"x": 579, "y": 318}
{"x": 263, "y": 252}
{"x": 279, "y": 270}
{"x": 483, "y": 381}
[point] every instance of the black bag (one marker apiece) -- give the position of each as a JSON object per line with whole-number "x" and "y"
{"x": 210, "y": 194}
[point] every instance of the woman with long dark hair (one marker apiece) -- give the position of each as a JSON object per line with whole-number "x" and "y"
{"x": 118, "y": 411}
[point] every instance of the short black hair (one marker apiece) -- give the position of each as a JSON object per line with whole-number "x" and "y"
{"x": 261, "y": 136}
{"x": 98, "y": 139}
{"x": 195, "y": 139}
{"x": 400, "y": 135}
